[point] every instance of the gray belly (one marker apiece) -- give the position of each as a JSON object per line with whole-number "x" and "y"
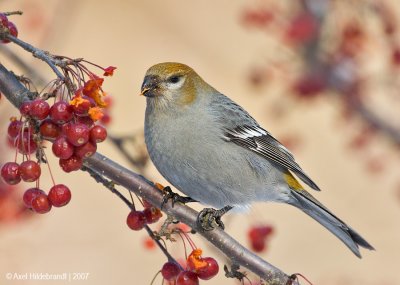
{"x": 213, "y": 172}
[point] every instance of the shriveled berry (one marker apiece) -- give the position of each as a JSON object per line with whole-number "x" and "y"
{"x": 136, "y": 220}
{"x": 25, "y": 143}
{"x": 30, "y": 194}
{"x": 71, "y": 164}
{"x": 10, "y": 173}
{"x": 14, "y": 128}
{"x": 209, "y": 271}
{"x": 187, "y": 278}
{"x": 61, "y": 112}
{"x": 77, "y": 134}
{"x": 98, "y": 134}
{"x": 59, "y": 195}
{"x": 62, "y": 148}
{"x": 41, "y": 204}
{"x": 39, "y": 109}
{"x": 49, "y": 129}
{"x": 152, "y": 214}
{"x": 29, "y": 170}
{"x": 170, "y": 271}
{"x": 25, "y": 108}
{"x": 86, "y": 150}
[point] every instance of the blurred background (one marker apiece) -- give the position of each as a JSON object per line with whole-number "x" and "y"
{"x": 322, "y": 76}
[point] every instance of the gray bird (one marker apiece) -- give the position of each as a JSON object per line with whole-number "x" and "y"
{"x": 211, "y": 149}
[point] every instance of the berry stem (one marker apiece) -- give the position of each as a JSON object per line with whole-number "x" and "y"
{"x": 49, "y": 168}
{"x": 13, "y": 13}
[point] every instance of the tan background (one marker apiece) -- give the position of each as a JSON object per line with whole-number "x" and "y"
{"x": 90, "y": 234}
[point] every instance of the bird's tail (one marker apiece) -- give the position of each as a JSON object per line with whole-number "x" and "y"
{"x": 308, "y": 204}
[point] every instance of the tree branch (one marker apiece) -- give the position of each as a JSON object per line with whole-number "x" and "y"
{"x": 17, "y": 93}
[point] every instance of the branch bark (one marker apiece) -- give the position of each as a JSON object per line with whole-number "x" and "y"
{"x": 16, "y": 93}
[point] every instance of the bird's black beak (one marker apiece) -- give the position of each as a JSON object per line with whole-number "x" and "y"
{"x": 149, "y": 86}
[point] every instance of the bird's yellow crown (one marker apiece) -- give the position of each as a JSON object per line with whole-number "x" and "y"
{"x": 167, "y": 68}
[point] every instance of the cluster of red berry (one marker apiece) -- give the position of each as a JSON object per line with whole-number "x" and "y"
{"x": 71, "y": 127}
{"x": 258, "y": 236}
{"x": 197, "y": 267}
{"x": 136, "y": 220}
{"x": 7, "y": 27}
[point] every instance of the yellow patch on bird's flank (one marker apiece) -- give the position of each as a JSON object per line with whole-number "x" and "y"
{"x": 292, "y": 181}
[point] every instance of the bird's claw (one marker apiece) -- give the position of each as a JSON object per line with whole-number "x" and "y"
{"x": 209, "y": 218}
{"x": 174, "y": 197}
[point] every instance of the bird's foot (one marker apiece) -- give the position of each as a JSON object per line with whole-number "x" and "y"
{"x": 174, "y": 197}
{"x": 209, "y": 218}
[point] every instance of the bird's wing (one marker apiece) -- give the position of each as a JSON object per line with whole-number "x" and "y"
{"x": 263, "y": 143}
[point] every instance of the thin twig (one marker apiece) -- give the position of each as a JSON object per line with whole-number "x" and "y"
{"x": 41, "y": 54}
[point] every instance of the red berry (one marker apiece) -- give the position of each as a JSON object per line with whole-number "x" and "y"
{"x": 136, "y": 220}
{"x": 98, "y": 134}
{"x": 10, "y": 173}
{"x": 86, "y": 120}
{"x": 302, "y": 28}
{"x": 3, "y": 20}
{"x": 61, "y": 112}
{"x": 71, "y": 164}
{"x": 65, "y": 127}
{"x": 13, "y": 29}
{"x": 39, "y": 109}
{"x": 170, "y": 271}
{"x": 152, "y": 214}
{"x": 260, "y": 232}
{"x": 59, "y": 195}
{"x": 41, "y": 204}
{"x": 258, "y": 245}
{"x": 208, "y": 271}
{"x": 62, "y": 148}
{"x": 31, "y": 194}
{"x": 25, "y": 143}
{"x": 77, "y": 134}
{"x": 49, "y": 129}
{"x": 86, "y": 150}
{"x": 396, "y": 56}
{"x": 258, "y": 236}
{"x": 106, "y": 119}
{"x": 29, "y": 170}
{"x": 14, "y": 128}
{"x": 309, "y": 86}
{"x": 25, "y": 108}
{"x": 187, "y": 278}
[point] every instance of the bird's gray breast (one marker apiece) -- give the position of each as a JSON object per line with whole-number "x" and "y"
{"x": 192, "y": 154}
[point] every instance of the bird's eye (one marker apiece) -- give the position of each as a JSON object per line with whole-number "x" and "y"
{"x": 174, "y": 79}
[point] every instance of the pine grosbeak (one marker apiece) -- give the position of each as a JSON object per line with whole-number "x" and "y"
{"x": 212, "y": 150}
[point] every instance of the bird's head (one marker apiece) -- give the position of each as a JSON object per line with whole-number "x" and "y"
{"x": 171, "y": 84}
